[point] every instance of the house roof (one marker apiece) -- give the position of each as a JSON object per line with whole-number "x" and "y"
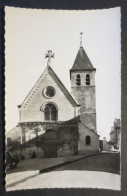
{"x": 82, "y": 61}
{"x": 90, "y": 129}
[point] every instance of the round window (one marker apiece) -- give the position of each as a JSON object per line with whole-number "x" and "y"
{"x": 49, "y": 92}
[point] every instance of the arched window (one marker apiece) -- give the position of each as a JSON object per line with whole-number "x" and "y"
{"x": 87, "y": 79}
{"x": 47, "y": 112}
{"x": 88, "y": 140}
{"x": 50, "y": 112}
{"x": 78, "y": 80}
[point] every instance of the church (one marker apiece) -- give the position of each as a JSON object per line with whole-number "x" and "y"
{"x": 55, "y": 122}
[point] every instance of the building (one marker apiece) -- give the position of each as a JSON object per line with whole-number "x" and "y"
{"x": 55, "y": 122}
{"x": 115, "y": 134}
{"x": 104, "y": 144}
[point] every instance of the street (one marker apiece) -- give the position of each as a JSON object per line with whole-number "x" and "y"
{"x": 98, "y": 171}
{"x": 104, "y": 162}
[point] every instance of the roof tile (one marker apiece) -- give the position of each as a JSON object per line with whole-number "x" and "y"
{"x": 82, "y": 61}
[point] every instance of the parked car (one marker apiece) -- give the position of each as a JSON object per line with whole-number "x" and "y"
{"x": 11, "y": 161}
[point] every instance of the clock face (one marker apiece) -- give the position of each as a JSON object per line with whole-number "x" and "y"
{"x": 49, "y": 92}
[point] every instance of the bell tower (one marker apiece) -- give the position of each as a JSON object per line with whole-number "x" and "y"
{"x": 82, "y": 76}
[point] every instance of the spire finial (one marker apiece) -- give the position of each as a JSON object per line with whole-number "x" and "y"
{"x": 49, "y": 55}
{"x": 81, "y": 39}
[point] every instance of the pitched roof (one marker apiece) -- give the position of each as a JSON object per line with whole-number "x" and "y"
{"x": 59, "y": 83}
{"x": 62, "y": 87}
{"x": 82, "y": 61}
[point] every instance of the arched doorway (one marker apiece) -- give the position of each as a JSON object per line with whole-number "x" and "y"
{"x": 50, "y": 144}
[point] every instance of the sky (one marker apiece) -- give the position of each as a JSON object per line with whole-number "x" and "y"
{"x": 29, "y": 33}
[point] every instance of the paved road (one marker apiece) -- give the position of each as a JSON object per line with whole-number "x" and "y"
{"x": 41, "y": 163}
{"x": 104, "y": 168}
{"x": 102, "y": 162}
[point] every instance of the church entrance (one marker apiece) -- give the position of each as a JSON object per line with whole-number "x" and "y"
{"x": 50, "y": 144}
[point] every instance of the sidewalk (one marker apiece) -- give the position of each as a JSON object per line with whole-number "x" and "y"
{"x": 66, "y": 179}
{"x": 41, "y": 164}
{"x": 30, "y": 168}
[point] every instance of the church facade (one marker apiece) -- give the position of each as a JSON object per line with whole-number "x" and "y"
{"x": 55, "y": 122}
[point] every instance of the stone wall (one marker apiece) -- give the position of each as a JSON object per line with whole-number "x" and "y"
{"x": 83, "y": 77}
{"x": 85, "y": 96}
{"x": 94, "y": 140}
{"x": 67, "y": 139}
{"x": 87, "y": 111}
{"x": 32, "y": 107}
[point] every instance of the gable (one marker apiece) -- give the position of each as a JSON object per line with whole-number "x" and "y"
{"x": 47, "y": 79}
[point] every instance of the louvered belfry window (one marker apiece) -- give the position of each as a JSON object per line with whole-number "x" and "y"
{"x": 78, "y": 80}
{"x": 50, "y": 112}
{"x": 87, "y": 79}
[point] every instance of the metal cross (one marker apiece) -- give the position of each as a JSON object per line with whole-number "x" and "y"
{"x": 81, "y": 39}
{"x": 49, "y": 55}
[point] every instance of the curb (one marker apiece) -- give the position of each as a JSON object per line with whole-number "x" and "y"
{"x": 65, "y": 163}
